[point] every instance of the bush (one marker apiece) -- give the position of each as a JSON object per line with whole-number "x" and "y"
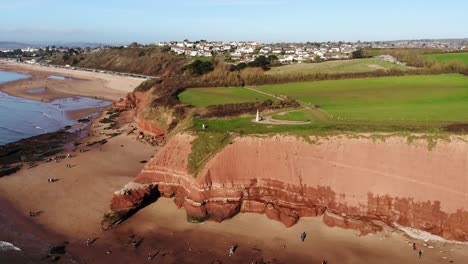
{"x": 199, "y": 67}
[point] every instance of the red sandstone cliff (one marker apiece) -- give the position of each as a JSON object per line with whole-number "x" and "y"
{"x": 134, "y": 103}
{"x": 351, "y": 181}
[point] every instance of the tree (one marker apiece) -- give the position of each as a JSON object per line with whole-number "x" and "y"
{"x": 260, "y": 61}
{"x": 357, "y": 54}
{"x": 199, "y": 67}
{"x": 133, "y": 45}
{"x": 318, "y": 59}
{"x": 272, "y": 58}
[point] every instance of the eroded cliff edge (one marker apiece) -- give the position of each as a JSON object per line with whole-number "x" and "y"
{"x": 352, "y": 181}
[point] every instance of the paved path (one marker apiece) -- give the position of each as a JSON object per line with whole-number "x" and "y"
{"x": 269, "y": 120}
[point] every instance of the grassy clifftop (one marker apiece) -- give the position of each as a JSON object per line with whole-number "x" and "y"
{"x": 149, "y": 60}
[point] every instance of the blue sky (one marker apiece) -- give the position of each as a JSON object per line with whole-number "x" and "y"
{"x": 124, "y": 21}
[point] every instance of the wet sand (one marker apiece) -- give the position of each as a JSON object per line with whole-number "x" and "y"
{"x": 73, "y": 208}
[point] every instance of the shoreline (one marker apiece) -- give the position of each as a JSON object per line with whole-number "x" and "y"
{"x": 75, "y": 204}
{"x": 80, "y": 83}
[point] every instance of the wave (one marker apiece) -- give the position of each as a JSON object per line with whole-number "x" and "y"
{"x": 6, "y": 246}
{"x": 38, "y": 127}
{"x": 12, "y": 130}
{"x": 54, "y": 120}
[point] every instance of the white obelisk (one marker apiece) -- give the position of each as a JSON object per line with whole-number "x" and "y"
{"x": 257, "y": 119}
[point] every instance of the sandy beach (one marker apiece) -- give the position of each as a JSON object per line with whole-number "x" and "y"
{"x": 73, "y": 208}
{"x": 82, "y": 83}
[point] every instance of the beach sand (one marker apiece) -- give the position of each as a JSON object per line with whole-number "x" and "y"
{"x": 73, "y": 208}
{"x": 82, "y": 83}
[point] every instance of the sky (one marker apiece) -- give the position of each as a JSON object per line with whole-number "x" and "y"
{"x": 151, "y": 21}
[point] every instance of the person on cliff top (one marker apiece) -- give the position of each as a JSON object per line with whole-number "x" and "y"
{"x": 303, "y": 236}
{"x": 414, "y": 246}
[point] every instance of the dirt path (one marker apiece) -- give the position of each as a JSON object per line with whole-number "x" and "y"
{"x": 265, "y": 93}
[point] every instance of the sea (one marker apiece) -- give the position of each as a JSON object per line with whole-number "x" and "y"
{"x": 22, "y": 118}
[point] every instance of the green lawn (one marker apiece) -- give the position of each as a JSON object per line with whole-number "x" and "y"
{"x": 445, "y": 57}
{"x": 244, "y": 126}
{"x": 433, "y": 98}
{"x": 298, "y": 115}
{"x": 216, "y": 96}
{"x": 342, "y": 66}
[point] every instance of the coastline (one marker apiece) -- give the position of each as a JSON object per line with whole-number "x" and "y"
{"x": 74, "y": 206}
{"x": 81, "y": 83}
{"x": 39, "y": 87}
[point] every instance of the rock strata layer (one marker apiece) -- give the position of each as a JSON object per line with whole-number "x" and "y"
{"x": 353, "y": 182}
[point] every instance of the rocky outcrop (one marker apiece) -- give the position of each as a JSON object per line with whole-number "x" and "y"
{"x": 147, "y": 129}
{"x": 128, "y": 102}
{"x": 353, "y": 182}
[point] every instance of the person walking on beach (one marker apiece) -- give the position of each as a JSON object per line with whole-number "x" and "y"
{"x": 414, "y": 246}
{"x": 420, "y": 253}
{"x": 303, "y": 236}
{"x": 232, "y": 249}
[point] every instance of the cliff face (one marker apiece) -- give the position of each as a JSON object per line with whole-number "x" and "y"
{"x": 134, "y": 103}
{"x": 351, "y": 181}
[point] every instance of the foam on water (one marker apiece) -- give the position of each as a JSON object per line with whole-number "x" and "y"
{"x": 6, "y": 246}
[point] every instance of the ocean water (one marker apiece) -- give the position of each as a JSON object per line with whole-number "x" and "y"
{"x": 22, "y": 118}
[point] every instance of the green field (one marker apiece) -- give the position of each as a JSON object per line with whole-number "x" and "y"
{"x": 216, "y": 96}
{"x": 446, "y": 57}
{"x": 433, "y": 98}
{"x": 342, "y": 66}
{"x": 297, "y": 115}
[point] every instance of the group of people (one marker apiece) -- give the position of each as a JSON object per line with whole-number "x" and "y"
{"x": 415, "y": 248}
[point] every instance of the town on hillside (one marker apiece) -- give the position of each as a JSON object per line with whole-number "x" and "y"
{"x": 248, "y": 51}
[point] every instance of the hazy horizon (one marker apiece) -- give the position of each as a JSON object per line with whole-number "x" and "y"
{"x": 145, "y": 21}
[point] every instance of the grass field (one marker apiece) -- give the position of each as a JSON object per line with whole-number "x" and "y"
{"x": 342, "y": 66}
{"x": 446, "y": 57}
{"x": 417, "y": 52}
{"x": 215, "y": 96}
{"x": 297, "y": 115}
{"x": 434, "y": 98}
